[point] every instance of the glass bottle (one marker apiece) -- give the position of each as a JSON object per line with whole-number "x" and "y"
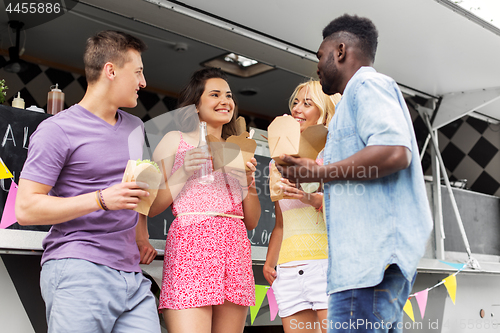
{"x": 206, "y": 176}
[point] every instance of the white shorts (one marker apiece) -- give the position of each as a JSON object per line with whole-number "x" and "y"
{"x": 302, "y": 287}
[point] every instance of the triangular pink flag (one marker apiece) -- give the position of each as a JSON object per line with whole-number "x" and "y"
{"x": 9, "y": 214}
{"x": 421, "y": 297}
{"x": 273, "y": 305}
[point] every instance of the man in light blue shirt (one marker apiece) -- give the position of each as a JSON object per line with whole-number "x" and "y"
{"x": 377, "y": 213}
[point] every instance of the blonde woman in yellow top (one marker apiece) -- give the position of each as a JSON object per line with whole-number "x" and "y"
{"x": 298, "y": 247}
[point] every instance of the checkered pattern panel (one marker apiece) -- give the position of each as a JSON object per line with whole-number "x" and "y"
{"x": 34, "y": 85}
{"x": 470, "y": 147}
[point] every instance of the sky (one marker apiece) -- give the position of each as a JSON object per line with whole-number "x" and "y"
{"x": 488, "y": 10}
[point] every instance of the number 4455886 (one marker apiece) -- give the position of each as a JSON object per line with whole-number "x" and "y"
{"x": 34, "y": 8}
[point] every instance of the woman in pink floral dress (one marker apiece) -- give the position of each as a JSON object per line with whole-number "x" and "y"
{"x": 207, "y": 282}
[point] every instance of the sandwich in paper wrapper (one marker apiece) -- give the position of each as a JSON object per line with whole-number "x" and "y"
{"x": 274, "y": 184}
{"x": 285, "y": 138}
{"x": 275, "y": 181}
{"x": 144, "y": 171}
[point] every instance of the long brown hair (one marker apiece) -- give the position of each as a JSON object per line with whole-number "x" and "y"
{"x": 191, "y": 94}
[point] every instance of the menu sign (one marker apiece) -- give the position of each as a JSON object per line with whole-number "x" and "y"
{"x": 16, "y": 127}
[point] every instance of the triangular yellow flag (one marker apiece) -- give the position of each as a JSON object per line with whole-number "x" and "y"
{"x": 408, "y": 309}
{"x": 451, "y": 285}
{"x": 260, "y": 294}
{"x": 4, "y": 171}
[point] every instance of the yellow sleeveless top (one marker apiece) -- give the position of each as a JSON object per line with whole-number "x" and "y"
{"x": 304, "y": 232}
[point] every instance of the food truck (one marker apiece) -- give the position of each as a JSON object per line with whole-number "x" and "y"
{"x": 442, "y": 56}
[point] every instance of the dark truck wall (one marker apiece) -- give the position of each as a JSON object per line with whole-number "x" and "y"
{"x": 16, "y": 126}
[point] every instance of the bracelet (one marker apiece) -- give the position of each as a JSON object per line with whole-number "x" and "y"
{"x": 97, "y": 200}
{"x": 319, "y": 208}
{"x": 247, "y": 187}
{"x": 101, "y": 200}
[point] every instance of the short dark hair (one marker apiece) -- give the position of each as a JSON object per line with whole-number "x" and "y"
{"x": 108, "y": 46}
{"x": 361, "y": 27}
{"x": 191, "y": 94}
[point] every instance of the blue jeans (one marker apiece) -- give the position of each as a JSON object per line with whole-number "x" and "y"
{"x": 84, "y": 297}
{"x": 375, "y": 309}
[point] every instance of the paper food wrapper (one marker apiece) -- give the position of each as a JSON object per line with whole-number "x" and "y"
{"x": 235, "y": 152}
{"x": 241, "y": 126}
{"x": 284, "y": 137}
{"x": 274, "y": 184}
{"x": 149, "y": 175}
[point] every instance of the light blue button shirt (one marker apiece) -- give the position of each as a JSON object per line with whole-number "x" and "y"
{"x": 374, "y": 223}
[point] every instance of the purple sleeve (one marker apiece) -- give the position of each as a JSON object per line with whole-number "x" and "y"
{"x": 47, "y": 153}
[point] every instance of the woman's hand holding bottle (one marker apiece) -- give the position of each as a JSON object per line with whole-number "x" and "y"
{"x": 194, "y": 160}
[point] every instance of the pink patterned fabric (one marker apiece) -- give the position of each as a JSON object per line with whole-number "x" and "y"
{"x": 207, "y": 258}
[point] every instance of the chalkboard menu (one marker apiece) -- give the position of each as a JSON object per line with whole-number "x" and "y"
{"x": 16, "y": 127}
{"x": 260, "y": 235}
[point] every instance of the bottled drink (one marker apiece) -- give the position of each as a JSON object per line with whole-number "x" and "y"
{"x": 18, "y": 102}
{"x": 55, "y": 100}
{"x": 206, "y": 176}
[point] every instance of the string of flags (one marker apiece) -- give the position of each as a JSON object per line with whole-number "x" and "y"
{"x": 449, "y": 282}
{"x": 261, "y": 291}
{"x": 8, "y": 216}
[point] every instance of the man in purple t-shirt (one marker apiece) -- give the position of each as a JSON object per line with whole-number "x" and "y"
{"x": 91, "y": 280}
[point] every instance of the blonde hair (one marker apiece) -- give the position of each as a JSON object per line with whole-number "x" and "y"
{"x": 325, "y": 103}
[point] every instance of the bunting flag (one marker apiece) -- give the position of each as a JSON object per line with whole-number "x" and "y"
{"x": 9, "y": 215}
{"x": 408, "y": 309}
{"x": 451, "y": 285}
{"x": 262, "y": 291}
{"x": 4, "y": 171}
{"x": 260, "y": 294}
{"x": 273, "y": 305}
{"x": 421, "y": 298}
{"x": 457, "y": 266}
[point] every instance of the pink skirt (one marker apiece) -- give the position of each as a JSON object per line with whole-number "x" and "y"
{"x": 206, "y": 263}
